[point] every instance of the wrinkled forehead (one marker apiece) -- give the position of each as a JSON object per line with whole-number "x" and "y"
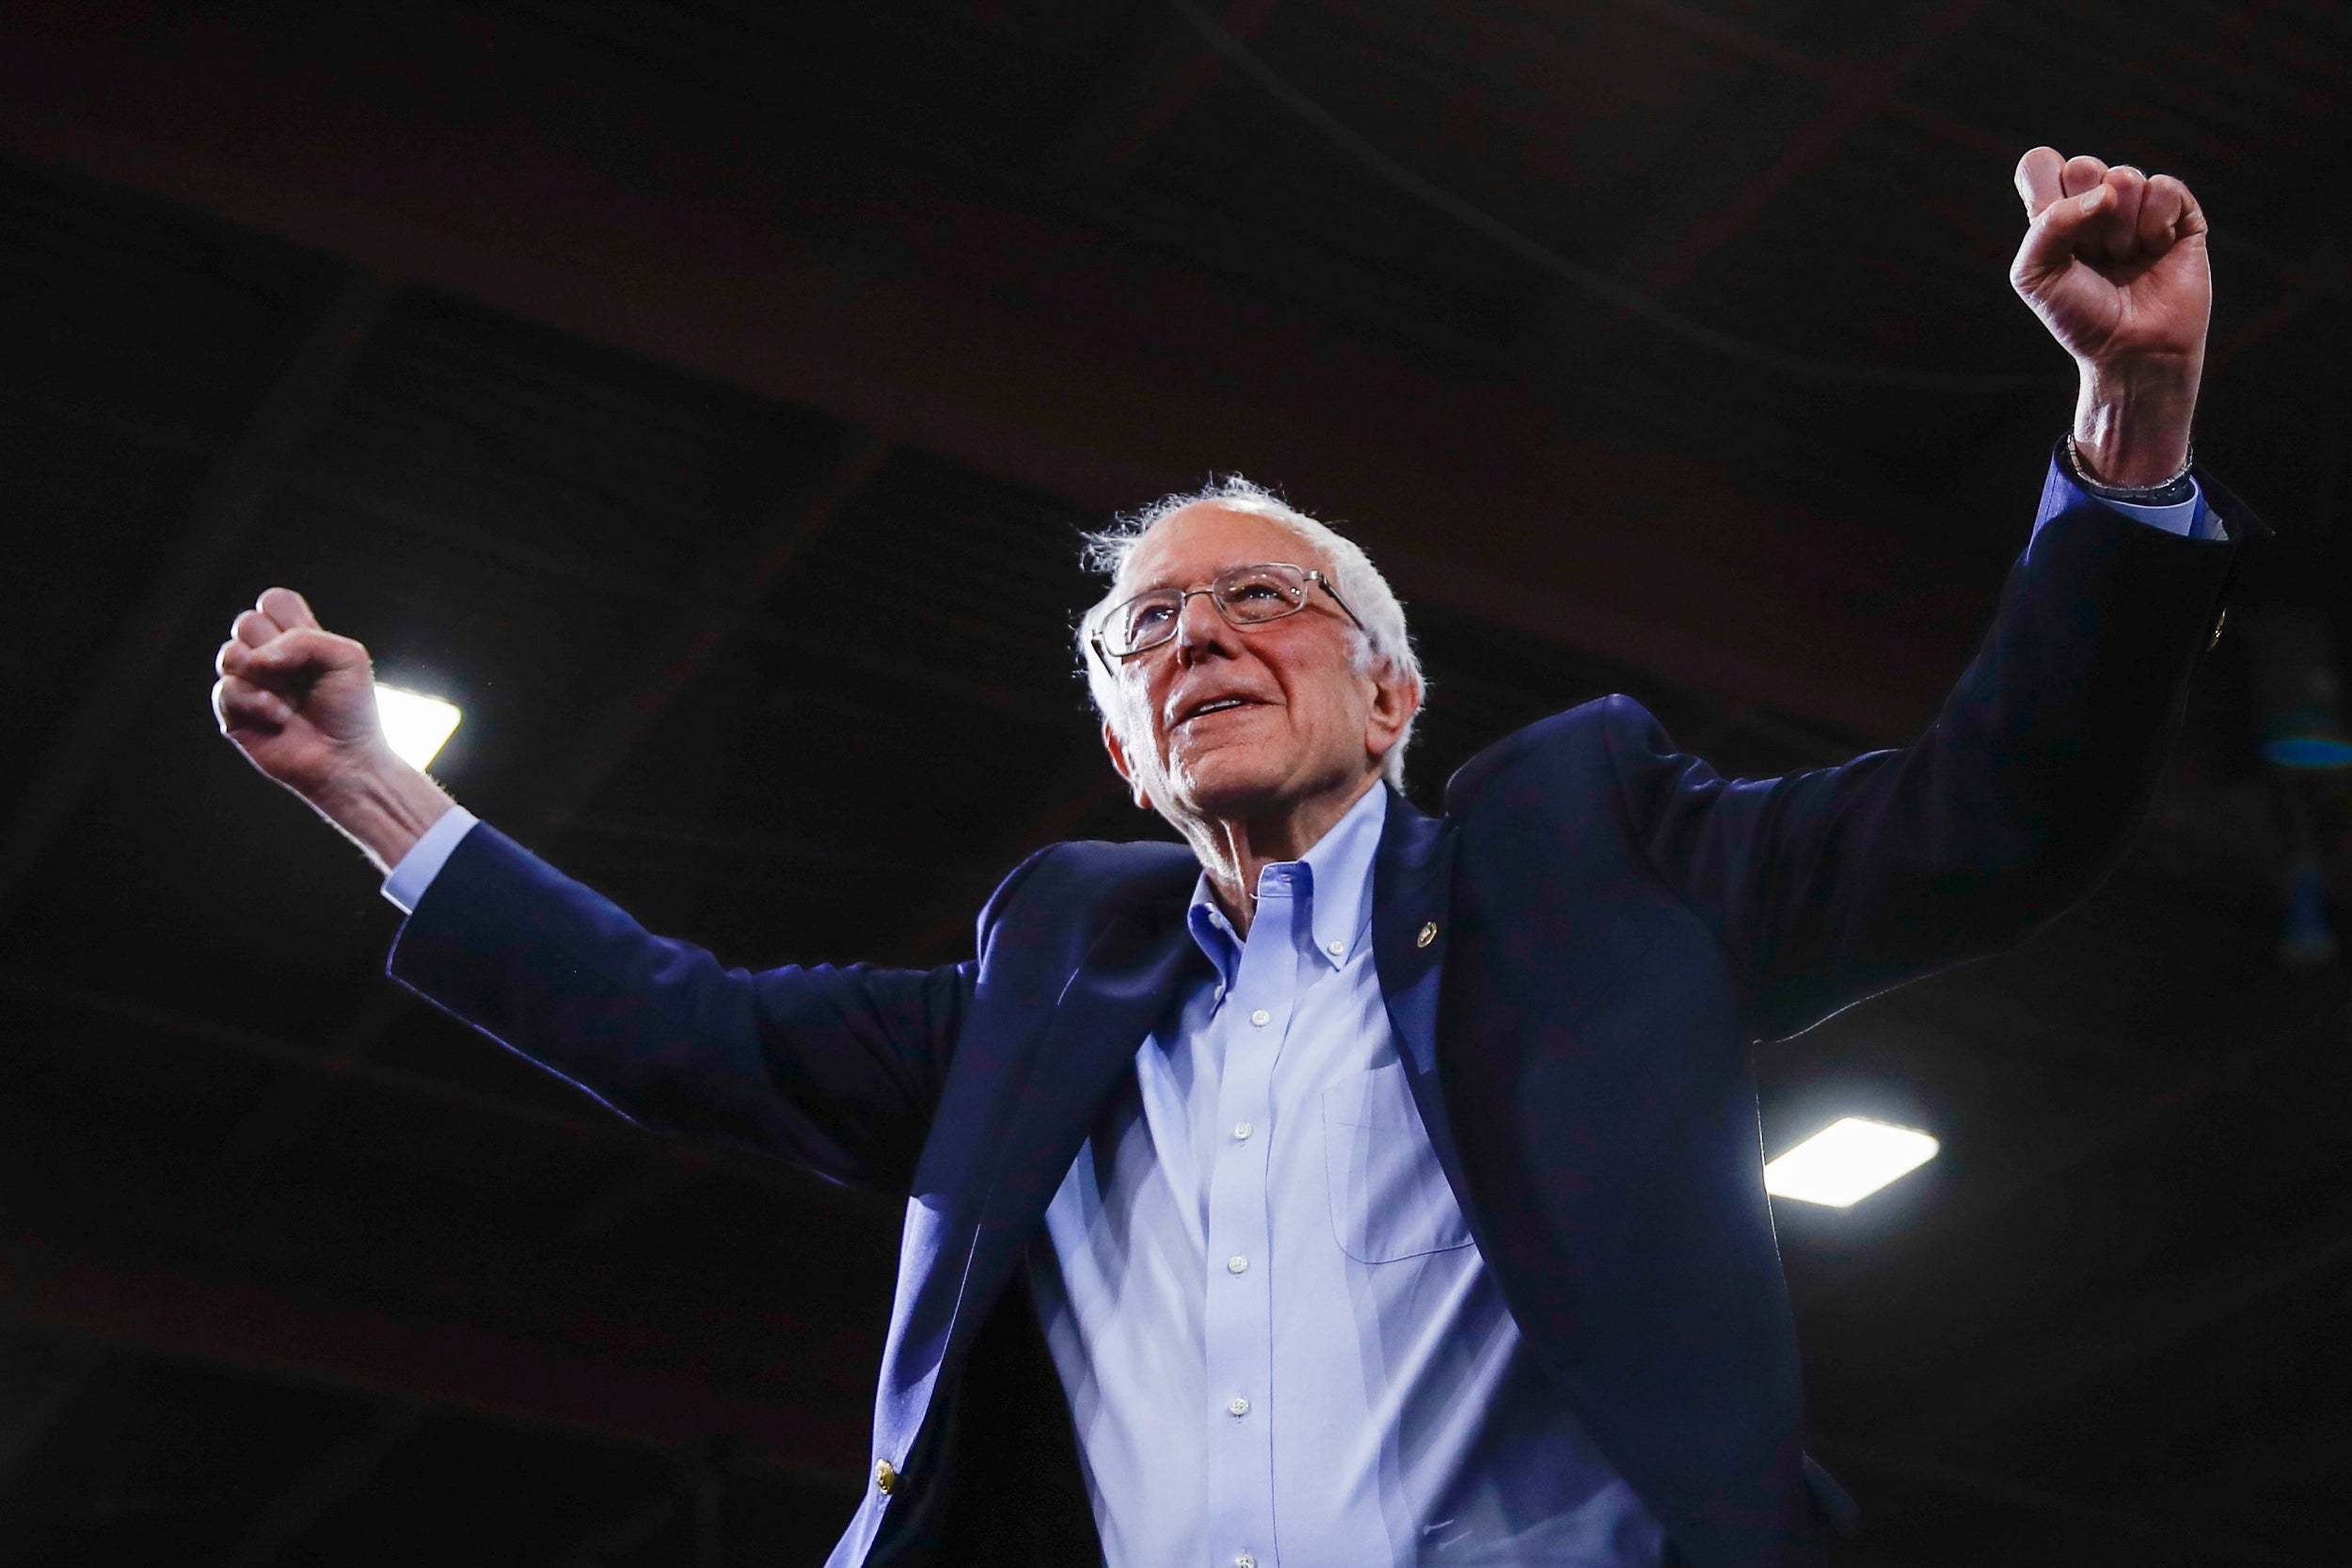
{"x": 1189, "y": 546}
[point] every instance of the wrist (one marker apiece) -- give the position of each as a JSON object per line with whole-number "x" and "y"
{"x": 384, "y": 805}
{"x": 2132, "y": 422}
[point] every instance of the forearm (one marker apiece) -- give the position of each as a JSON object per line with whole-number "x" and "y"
{"x": 2132, "y": 421}
{"x": 383, "y": 809}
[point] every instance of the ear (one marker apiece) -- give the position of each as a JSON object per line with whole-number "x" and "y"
{"x": 1395, "y": 698}
{"x": 1119, "y": 760}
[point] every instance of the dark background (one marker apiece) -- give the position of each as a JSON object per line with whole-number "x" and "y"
{"x": 708, "y": 398}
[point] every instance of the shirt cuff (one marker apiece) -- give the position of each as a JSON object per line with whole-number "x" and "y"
{"x": 406, "y": 886}
{"x": 2186, "y": 518}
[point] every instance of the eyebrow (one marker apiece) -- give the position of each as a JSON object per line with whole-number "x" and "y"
{"x": 1230, "y": 565}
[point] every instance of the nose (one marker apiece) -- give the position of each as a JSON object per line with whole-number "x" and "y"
{"x": 1201, "y": 629}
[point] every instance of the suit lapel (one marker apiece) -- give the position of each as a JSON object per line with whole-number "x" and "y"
{"x": 1120, "y": 991}
{"x": 1030, "y": 1091}
{"x": 1409, "y": 909}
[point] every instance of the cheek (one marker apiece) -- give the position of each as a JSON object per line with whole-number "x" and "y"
{"x": 1334, "y": 703}
{"x": 1139, "y": 733}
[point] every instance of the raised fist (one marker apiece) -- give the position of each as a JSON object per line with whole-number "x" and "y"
{"x": 300, "y": 704}
{"x": 297, "y": 700}
{"x": 2113, "y": 261}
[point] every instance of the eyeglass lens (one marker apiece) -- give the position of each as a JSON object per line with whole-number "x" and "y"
{"x": 1245, "y": 595}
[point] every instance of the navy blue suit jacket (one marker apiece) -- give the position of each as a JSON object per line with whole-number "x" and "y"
{"x": 1576, "y": 957}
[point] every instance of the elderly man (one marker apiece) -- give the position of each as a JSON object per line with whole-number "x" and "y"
{"x": 1352, "y": 1186}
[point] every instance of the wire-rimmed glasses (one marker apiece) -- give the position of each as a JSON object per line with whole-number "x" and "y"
{"x": 1247, "y": 596}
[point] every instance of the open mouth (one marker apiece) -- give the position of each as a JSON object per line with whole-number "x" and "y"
{"x": 1219, "y": 705}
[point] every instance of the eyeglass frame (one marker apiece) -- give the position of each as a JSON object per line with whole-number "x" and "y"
{"x": 1185, "y": 597}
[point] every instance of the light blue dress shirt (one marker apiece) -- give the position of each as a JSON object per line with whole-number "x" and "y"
{"x": 1280, "y": 1342}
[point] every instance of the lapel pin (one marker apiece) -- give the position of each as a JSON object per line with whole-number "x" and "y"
{"x": 1428, "y": 935}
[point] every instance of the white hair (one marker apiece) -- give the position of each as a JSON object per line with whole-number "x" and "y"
{"x": 1381, "y": 639}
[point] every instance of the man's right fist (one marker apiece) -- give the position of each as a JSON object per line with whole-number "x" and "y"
{"x": 300, "y": 704}
{"x": 297, "y": 700}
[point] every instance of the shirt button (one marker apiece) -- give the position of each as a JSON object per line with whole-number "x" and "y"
{"x": 1245, "y": 1560}
{"x": 1242, "y": 1130}
{"x": 1337, "y": 949}
{"x": 1262, "y": 1017}
{"x": 1238, "y": 1405}
{"x": 1221, "y": 994}
{"x": 1237, "y": 1264}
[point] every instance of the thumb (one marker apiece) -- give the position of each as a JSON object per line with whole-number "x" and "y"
{"x": 2055, "y": 237}
{"x": 287, "y": 607}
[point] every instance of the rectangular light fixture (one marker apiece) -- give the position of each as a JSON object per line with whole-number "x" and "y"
{"x": 1848, "y": 1160}
{"x": 415, "y": 725}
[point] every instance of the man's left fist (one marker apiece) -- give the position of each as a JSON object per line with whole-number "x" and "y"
{"x": 2113, "y": 261}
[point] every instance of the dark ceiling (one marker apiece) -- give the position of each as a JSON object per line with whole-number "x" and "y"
{"x": 708, "y": 398}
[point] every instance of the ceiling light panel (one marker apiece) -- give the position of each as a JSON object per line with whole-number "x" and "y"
{"x": 1848, "y": 1160}
{"x": 415, "y": 725}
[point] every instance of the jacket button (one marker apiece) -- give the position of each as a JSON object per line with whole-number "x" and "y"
{"x": 2218, "y": 622}
{"x": 1428, "y": 935}
{"x": 886, "y": 1476}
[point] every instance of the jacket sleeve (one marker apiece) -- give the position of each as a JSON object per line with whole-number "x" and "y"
{"x": 1826, "y": 887}
{"x": 833, "y": 1070}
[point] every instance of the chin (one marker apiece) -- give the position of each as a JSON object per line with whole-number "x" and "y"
{"x": 1230, "y": 782}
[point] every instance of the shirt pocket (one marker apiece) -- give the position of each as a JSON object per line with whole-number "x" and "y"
{"x": 1390, "y": 1199}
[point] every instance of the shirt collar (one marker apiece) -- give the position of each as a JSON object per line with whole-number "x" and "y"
{"x": 1334, "y": 879}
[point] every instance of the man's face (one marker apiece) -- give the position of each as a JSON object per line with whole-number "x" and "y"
{"x": 1224, "y": 723}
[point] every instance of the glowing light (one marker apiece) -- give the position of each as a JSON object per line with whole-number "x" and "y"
{"x": 2307, "y": 751}
{"x": 416, "y": 725}
{"x": 1848, "y": 1160}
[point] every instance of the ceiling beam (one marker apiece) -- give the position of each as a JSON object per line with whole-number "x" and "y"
{"x": 745, "y": 575}
{"x": 1011, "y": 337}
{"x": 1157, "y": 70}
{"x": 741, "y": 583}
{"x": 1735, "y": 37}
{"x": 693, "y": 601}
{"x": 2259, "y": 1463}
{"x": 873, "y": 657}
{"x": 1860, "y": 91}
{"x": 2113, "y": 1336}
{"x": 2323, "y": 274}
{"x": 168, "y": 1310}
{"x": 174, "y": 1278}
{"x": 45, "y": 1378}
{"x": 661, "y": 1178}
{"x": 2191, "y": 1542}
{"x": 336, "y": 1474}
{"x": 617, "y": 1540}
{"x": 229, "y": 504}
{"x": 939, "y": 930}
{"x": 307, "y": 1061}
